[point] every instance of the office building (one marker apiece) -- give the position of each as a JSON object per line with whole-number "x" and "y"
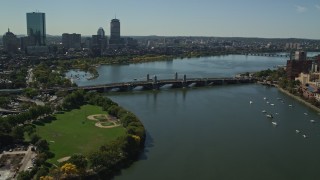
{"x": 99, "y": 42}
{"x": 10, "y": 42}
{"x": 36, "y": 28}
{"x": 115, "y": 40}
{"x": 71, "y": 41}
{"x": 101, "y": 32}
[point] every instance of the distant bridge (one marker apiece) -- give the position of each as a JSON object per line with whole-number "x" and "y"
{"x": 267, "y": 54}
{"x": 155, "y": 84}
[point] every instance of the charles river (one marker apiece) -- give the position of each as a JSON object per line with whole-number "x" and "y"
{"x": 214, "y": 132}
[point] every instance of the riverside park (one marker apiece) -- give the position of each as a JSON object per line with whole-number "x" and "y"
{"x": 77, "y": 131}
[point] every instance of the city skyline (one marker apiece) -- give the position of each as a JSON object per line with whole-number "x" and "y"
{"x": 248, "y": 18}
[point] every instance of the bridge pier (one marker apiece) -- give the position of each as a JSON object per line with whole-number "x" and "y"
{"x": 184, "y": 82}
{"x": 176, "y": 76}
{"x": 129, "y": 88}
{"x": 148, "y": 77}
{"x": 155, "y": 85}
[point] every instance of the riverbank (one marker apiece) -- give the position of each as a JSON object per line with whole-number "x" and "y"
{"x": 298, "y": 98}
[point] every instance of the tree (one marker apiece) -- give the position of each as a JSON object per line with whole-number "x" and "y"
{"x": 29, "y": 129}
{"x": 41, "y": 158}
{"x": 18, "y": 133}
{"x": 113, "y": 110}
{"x": 127, "y": 118}
{"x": 79, "y": 161}
{"x": 46, "y": 178}
{"x": 30, "y": 92}
{"x": 34, "y": 138}
{"x": 42, "y": 172}
{"x": 24, "y": 175}
{"x": 4, "y": 101}
{"x": 74, "y": 100}
{"x": 69, "y": 169}
{"x": 42, "y": 145}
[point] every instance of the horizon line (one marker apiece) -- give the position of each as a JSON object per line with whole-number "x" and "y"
{"x": 204, "y": 36}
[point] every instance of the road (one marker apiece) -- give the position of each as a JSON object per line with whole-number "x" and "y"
{"x": 37, "y": 102}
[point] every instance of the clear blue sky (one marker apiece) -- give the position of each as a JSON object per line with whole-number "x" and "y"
{"x": 227, "y": 18}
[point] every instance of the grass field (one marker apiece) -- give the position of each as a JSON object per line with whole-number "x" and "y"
{"x": 73, "y": 133}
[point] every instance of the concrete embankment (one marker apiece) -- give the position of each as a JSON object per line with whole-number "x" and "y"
{"x": 299, "y": 99}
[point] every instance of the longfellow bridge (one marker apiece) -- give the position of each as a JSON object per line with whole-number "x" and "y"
{"x": 155, "y": 84}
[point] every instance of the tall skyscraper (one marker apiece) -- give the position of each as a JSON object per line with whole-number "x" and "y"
{"x": 36, "y": 28}
{"x": 115, "y": 32}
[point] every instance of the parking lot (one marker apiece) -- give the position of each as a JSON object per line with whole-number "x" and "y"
{"x": 15, "y": 160}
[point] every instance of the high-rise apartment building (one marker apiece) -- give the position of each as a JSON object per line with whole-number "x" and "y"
{"x": 300, "y": 55}
{"x": 292, "y": 46}
{"x": 36, "y": 28}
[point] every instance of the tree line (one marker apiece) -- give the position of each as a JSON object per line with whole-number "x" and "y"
{"x": 13, "y": 127}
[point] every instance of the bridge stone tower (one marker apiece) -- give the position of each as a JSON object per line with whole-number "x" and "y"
{"x": 155, "y": 82}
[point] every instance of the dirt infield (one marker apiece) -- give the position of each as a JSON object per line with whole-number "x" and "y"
{"x": 64, "y": 159}
{"x": 105, "y": 118}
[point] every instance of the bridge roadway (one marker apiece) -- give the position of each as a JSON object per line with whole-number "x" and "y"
{"x": 157, "y": 84}
{"x": 266, "y": 54}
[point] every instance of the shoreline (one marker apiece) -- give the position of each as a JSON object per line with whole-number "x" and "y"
{"x": 298, "y": 98}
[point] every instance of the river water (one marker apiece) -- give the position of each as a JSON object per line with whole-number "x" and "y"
{"x": 214, "y": 132}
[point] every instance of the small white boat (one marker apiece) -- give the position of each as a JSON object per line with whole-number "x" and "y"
{"x": 290, "y": 105}
{"x": 263, "y": 111}
{"x": 312, "y": 121}
{"x": 269, "y": 116}
{"x": 304, "y": 136}
{"x": 305, "y": 114}
{"x": 297, "y": 131}
{"x": 265, "y": 98}
{"x": 268, "y": 102}
{"x": 274, "y": 123}
{"x": 277, "y": 113}
{"x": 272, "y": 104}
{"x": 250, "y": 102}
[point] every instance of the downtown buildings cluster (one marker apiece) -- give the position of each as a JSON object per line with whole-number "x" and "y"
{"x": 36, "y": 40}
{"x": 75, "y": 45}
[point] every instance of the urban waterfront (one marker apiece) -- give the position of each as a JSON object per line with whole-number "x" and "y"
{"x": 197, "y": 92}
{"x": 215, "y": 133}
{"x": 216, "y": 66}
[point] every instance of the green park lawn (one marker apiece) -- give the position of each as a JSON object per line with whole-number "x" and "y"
{"x": 73, "y": 133}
